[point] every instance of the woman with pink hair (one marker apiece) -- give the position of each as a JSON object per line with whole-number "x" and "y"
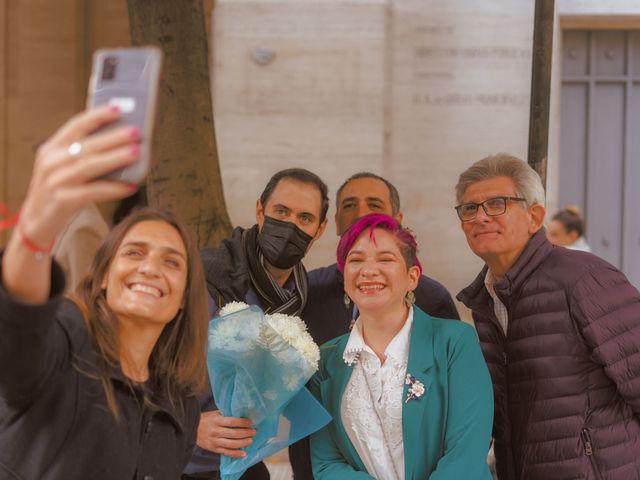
{"x": 410, "y": 394}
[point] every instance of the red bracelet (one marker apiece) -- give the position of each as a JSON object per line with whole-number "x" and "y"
{"x": 40, "y": 253}
{"x": 9, "y": 220}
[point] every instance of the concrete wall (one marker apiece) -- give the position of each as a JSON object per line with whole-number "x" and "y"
{"x": 415, "y": 90}
{"x": 316, "y": 99}
{"x": 461, "y": 84}
{"x": 412, "y": 89}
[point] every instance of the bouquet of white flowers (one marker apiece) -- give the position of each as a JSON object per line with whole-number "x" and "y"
{"x": 258, "y": 366}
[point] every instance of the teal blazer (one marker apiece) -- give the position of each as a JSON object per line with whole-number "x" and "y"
{"x": 446, "y": 431}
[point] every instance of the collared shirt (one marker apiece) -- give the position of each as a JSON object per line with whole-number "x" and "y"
{"x": 580, "y": 244}
{"x": 498, "y": 307}
{"x": 327, "y": 317}
{"x": 371, "y": 407}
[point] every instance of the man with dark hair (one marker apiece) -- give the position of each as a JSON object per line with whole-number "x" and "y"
{"x": 262, "y": 266}
{"x": 394, "y": 196}
{"x": 302, "y": 176}
{"x": 329, "y": 313}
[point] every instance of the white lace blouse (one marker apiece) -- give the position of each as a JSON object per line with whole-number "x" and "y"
{"x": 371, "y": 407}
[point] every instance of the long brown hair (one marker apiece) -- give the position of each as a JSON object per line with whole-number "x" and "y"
{"x": 177, "y": 362}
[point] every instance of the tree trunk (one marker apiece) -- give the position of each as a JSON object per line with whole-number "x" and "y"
{"x": 185, "y": 174}
{"x": 541, "y": 87}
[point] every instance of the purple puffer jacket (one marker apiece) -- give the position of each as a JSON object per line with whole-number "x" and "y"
{"x": 566, "y": 377}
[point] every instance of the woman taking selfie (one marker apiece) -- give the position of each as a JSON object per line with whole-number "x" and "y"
{"x": 102, "y": 387}
{"x": 410, "y": 394}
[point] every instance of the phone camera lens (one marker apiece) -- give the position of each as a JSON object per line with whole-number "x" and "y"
{"x": 109, "y": 68}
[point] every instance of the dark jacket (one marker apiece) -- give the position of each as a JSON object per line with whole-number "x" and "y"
{"x": 227, "y": 274}
{"x": 328, "y": 317}
{"x": 566, "y": 376}
{"x": 54, "y": 418}
{"x": 226, "y": 269}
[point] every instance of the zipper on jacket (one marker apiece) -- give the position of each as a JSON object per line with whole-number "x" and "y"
{"x": 588, "y": 448}
{"x": 588, "y": 451}
{"x": 511, "y": 467}
{"x": 586, "y": 440}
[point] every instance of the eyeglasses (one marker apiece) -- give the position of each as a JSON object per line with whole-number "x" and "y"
{"x": 492, "y": 207}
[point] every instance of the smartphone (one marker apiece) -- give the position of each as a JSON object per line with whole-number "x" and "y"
{"x": 128, "y": 78}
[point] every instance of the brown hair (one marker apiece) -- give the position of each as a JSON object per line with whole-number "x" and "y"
{"x": 177, "y": 362}
{"x": 570, "y": 219}
{"x": 300, "y": 175}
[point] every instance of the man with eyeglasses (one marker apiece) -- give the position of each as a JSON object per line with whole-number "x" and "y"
{"x": 560, "y": 331}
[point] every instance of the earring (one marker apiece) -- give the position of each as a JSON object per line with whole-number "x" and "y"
{"x": 410, "y": 298}
{"x": 346, "y": 300}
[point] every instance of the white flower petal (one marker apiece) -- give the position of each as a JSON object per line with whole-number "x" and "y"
{"x": 232, "y": 307}
{"x": 294, "y": 331}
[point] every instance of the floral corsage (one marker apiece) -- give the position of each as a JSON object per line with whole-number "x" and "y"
{"x": 416, "y": 390}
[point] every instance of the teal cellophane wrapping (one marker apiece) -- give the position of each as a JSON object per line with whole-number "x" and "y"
{"x": 258, "y": 375}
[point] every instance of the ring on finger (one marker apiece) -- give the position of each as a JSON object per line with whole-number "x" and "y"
{"x": 74, "y": 149}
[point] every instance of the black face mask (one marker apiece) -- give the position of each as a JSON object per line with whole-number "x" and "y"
{"x": 283, "y": 244}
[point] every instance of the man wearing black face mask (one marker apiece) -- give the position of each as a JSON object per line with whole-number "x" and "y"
{"x": 261, "y": 265}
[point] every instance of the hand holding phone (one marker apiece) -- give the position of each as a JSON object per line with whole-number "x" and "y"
{"x": 128, "y": 78}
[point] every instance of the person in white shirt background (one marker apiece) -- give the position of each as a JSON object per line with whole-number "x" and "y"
{"x": 566, "y": 229}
